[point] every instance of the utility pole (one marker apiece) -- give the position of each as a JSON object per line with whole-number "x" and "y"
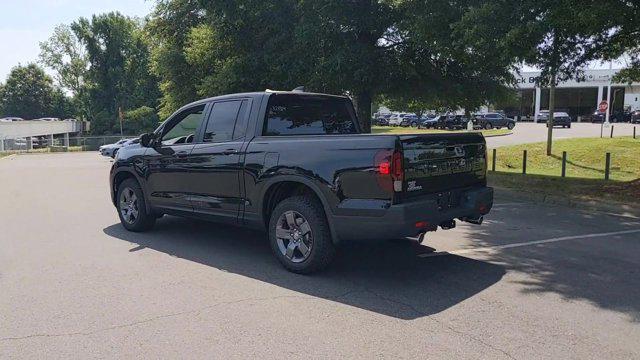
{"x": 120, "y": 116}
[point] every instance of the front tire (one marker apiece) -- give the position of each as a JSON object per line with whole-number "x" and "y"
{"x": 132, "y": 209}
{"x": 488, "y": 126}
{"x": 299, "y": 235}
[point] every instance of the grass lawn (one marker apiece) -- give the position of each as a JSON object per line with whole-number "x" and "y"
{"x": 585, "y": 169}
{"x": 585, "y": 158}
{"x": 409, "y": 130}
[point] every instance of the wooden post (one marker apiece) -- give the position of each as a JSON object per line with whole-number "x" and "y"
{"x": 607, "y": 166}
{"x": 564, "y": 163}
{"x": 611, "y": 132}
{"x": 634, "y": 132}
{"x": 524, "y": 161}
{"x": 493, "y": 162}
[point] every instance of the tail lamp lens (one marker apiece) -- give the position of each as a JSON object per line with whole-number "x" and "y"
{"x": 389, "y": 167}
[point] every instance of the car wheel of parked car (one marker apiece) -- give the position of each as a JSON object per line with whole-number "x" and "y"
{"x": 300, "y": 236}
{"x": 488, "y": 126}
{"x": 510, "y": 126}
{"x": 414, "y": 124}
{"x": 131, "y": 207}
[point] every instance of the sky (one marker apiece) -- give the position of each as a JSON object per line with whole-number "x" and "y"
{"x": 25, "y": 23}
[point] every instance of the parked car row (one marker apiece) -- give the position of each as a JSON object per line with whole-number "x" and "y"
{"x": 560, "y": 118}
{"x": 616, "y": 116}
{"x": 446, "y": 121}
{"x": 37, "y": 142}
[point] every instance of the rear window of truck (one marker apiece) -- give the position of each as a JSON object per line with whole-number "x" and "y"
{"x": 289, "y": 114}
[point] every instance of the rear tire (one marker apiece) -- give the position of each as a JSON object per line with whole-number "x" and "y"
{"x": 131, "y": 206}
{"x": 299, "y": 235}
{"x": 510, "y": 126}
{"x": 488, "y": 126}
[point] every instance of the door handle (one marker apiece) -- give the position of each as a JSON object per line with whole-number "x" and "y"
{"x": 230, "y": 152}
{"x": 182, "y": 154}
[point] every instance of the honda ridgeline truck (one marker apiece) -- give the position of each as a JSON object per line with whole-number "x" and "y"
{"x": 296, "y": 165}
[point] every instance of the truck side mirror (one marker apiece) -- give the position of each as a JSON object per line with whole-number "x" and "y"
{"x": 147, "y": 139}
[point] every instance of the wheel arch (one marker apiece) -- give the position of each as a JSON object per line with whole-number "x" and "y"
{"x": 118, "y": 178}
{"x": 283, "y": 187}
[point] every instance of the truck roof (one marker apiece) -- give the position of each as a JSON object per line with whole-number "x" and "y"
{"x": 257, "y": 94}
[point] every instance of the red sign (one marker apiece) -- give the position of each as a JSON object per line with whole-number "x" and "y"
{"x": 604, "y": 105}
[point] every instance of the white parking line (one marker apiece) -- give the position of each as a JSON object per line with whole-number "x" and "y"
{"x": 529, "y": 243}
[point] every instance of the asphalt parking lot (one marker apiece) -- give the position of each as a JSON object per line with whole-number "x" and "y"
{"x": 533, "y": 281}
{"x": 528, "y": 132}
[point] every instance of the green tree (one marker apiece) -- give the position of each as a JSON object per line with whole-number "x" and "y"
{"x": 559, "y": 37}
{"x": 403, "y": 50}
{"x": 615, "y": 35}
{"x": 28, "y": 93}
{"x": 141, "y": 120}
{"x": 67, "y": 57}
{"x": 119, "y": 73}
{"x": 170, "y": 27}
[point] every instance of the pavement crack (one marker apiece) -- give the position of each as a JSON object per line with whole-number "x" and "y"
{"x": 447, "y": 326}
{"x": 152, "y": 319}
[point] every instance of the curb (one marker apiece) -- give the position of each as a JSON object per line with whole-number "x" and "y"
{"x": 497, "y": 135}
{"x": 8, "y": 156}
{"x": 611, "y": 208}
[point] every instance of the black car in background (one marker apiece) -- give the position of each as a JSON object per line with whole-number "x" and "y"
{"x": 635, "y": 117}
{"x": 493, "y": 120}
{"x": 452, "y": 122}
{"x": 429, "y": 122}
{"x": 411, "y": 120}
{"x": 382, "y": 120}
{"x": 616, "y": 117}
{"x": 561, "y": 119}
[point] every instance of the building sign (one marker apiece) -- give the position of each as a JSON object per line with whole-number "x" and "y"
{"x": 590, "y": 78}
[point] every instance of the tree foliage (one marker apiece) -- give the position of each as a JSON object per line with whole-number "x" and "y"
{"x": 67, "y": 57}
{"x": 170, "y": 25}
{"x": 29, "y": 93}
{"x": 362, "y": 48}
{"x": 119, "y": 73}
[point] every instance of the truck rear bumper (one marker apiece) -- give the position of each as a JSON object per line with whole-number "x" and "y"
{"x": 415, "y": 217}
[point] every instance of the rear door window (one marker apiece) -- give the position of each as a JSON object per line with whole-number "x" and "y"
{"x": 222, "y": 121}
{"x": 289, "y": 114}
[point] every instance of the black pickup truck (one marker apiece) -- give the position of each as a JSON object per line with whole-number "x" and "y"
{"x": 295, "y": 164}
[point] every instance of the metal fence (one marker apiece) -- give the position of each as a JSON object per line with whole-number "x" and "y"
{"x": 57, "y": 143}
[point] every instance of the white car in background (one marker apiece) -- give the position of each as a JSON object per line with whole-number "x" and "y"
{"x": 396, "y": 119}
{"x": 112, "y": 149}
{"x": 10, "y": 119}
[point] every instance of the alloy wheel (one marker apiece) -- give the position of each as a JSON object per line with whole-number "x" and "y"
{"x": 129, "y": 205}
{"x": 294, "y": 236}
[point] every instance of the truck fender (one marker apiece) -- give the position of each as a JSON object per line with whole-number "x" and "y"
{"x": 309, "y": 183}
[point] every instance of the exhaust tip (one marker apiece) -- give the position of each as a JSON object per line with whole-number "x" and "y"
{"x": 477, "y": 221}
{"x": 447, "y": 225}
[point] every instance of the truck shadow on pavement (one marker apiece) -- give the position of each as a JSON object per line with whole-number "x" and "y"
{"x": 386, "y": 278}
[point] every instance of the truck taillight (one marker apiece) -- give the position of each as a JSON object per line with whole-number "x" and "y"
{"x": 390, "y": 172}
{"x": 398, "y": 173}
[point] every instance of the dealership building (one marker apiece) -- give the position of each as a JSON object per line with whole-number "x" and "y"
{"x": 578, "y": 97}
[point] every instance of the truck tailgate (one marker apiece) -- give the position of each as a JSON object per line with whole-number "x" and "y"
{"x": 436, "y": 163}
